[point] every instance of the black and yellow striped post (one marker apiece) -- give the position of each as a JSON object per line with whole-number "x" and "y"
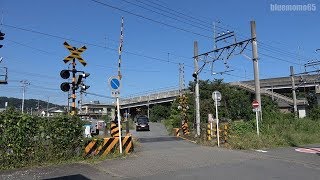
{"x": 73, "y": 95}
{"x": 208, "y": 132}
{"x": 185, "y": 128}
{"x": 176, "y": 131}
{"x": 225, "y": 132}
{"x": 214, "y": 130}
{"x": 114, "y": 129}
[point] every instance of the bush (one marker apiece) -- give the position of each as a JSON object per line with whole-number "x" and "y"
{"x": 279, "y": 130}
{"x": 27, "y": 140}
{"x": 314, "y": 113}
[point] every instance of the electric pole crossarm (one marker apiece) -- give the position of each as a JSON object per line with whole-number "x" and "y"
{"x": 220, "y": 54}
{"x": 225, "y": 47}
{"x": 244, "y": 47}
{"x": 224, "y": 36}
{"x": 201, "y": 68}
{"x": 312, "y": 63}
{"x": 234, "y": 47}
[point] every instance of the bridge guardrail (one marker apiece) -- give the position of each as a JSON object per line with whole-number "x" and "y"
{"x": 151, "y": 97}
{"x": 264, "y": 91}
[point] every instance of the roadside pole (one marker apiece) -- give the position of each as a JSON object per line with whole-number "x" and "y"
{"x": 255, "y": 106}
{"x": 115, "y": 85}
{"x": 119, "y": 124}
{"x": 257, "y": 121}
{"x": 216, "y": 96}
{"x": 210, "y": 119}
{"x": 216, "y": 102}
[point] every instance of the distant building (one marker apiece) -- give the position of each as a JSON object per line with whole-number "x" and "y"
{"x": 95, "y": 110}
{"x": 54, "y": 111}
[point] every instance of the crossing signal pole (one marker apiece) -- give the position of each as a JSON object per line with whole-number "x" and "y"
{"x": 73, "y": 95}
{"x": 65, "y": 74}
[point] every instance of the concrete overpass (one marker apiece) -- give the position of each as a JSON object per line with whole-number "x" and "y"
{"x": 273, "y": 87}
{"x": 283, "y": 84}
{"x": 151, "y": 98}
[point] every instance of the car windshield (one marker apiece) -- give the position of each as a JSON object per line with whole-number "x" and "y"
{"x": 143, "y": 120}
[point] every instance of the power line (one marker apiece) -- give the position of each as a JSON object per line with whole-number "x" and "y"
{"x": 204, "y": 27}
{"x": 264, "y": 45}
{"x": 37, "y": 49}
{"x": 284, "y": 60}
{"x": 86, "y": 43}
{"x": 150, "y": 19}
{"x": 178, "y": 13}
{"x": 269, "y": 47}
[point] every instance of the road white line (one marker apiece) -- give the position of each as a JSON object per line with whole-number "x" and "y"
{"x": 259, "y": 150}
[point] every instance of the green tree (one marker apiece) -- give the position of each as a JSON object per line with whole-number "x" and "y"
{"x": 235, "y": 102}
{"x": 159, "y": 112}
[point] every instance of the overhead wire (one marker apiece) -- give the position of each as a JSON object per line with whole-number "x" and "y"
{"x": 168, "y": 16}
{"x": 87, "y": 43}
{"x": 159, "y": 59}
{"x": 150, "y": 19}
{"x": 261, "y": 44}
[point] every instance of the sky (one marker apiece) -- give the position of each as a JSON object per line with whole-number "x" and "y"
{"x": 157, "y": 36}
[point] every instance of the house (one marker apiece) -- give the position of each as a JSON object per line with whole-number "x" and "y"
{"x": 96, "y": 110}
{"x": 54, "y": 111}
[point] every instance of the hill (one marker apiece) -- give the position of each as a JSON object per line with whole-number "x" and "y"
{"x": 28, "y": 103}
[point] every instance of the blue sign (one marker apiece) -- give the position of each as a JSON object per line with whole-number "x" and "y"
{"x": 114, "y": 83}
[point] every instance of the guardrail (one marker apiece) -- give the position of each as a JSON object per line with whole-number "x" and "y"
{"x": 269, "y": 93}
{"x": 151, "y": 97}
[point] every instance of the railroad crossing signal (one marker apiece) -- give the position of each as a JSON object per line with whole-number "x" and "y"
{"x": 1, "y": 38}
{"x": 65, "y": 74}
{"x": 75, "y": 53}
{"x": 65, "y": 87}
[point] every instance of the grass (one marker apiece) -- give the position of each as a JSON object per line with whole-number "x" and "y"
{"x": 280, "y": 132}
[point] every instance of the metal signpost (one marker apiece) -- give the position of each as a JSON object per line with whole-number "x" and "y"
{"x": 115, "y": 86}
{"x": 255, "y": 105}
{"x": 210, "y": 120}
{"x": 216, "y": 96}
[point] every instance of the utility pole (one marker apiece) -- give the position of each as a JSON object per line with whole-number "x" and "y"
{"x": 24, "y": 83}
{"x": 196, "y": 74}
{"x": 295, "y": 109}
{"x": 48, "y": 107}
{"x": 181, "y": 78}
{"x": 255, "y": 64}
{"x": 38, "y": 107}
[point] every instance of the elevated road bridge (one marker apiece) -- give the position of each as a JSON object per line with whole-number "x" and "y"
{"x": 273, "y": 87}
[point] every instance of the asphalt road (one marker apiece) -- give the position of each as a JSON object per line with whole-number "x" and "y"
{"x": 159, "y": 156}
